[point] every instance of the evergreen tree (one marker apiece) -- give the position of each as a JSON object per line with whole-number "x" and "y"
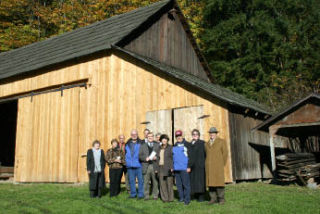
{"x": 266, "y": 49}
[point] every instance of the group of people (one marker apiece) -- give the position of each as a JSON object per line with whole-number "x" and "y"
{"x": 155, "y": 164}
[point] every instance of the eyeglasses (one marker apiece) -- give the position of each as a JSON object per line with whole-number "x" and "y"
{"x": 194, "y": 134}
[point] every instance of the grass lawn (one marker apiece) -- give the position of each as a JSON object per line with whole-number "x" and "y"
{"x": 241, "y": 198}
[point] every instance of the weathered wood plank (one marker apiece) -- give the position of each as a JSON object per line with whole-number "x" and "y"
{"x": 168, "y": 38}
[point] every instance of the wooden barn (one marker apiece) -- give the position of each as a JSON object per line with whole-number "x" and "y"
{"x": 135, "y": 70}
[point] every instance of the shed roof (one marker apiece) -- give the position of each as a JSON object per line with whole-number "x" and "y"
{"x": 311, "y": 98}
{"x": 211, "y": 89}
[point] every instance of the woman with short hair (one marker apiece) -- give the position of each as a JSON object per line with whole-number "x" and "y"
{"x": 95, "y": 167}
{"x": 116, "y": 160}
{"x": 164, "y": 168}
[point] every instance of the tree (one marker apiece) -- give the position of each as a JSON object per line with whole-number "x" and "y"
{"x": 23, "y": 22}
{"x": 15, "y": 24}
{"x": 266, "y": 49}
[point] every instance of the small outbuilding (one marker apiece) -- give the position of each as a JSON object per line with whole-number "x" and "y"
{"x": 300, "y": 123}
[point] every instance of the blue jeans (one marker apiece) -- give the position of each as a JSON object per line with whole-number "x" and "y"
{"x": 133, "y": 174}
{"x": 183, "y": 185}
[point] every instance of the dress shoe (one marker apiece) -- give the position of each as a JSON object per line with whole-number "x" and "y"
{"x": 221, "y": 202}
{"x": 212, "y": 202}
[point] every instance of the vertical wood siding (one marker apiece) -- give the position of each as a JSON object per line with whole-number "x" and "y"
{"x": 250, "y": 149}
{"x": 54, "y": 132}
{"x": 48, "y": 137}
{"x": 167, "y": 42}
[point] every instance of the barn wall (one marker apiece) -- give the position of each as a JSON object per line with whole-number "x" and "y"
{"x": 117, "y": 99}
{"x": 125, "y": 92}
{"x": 55, "y": 76}
{"x": 250, "y": 149}
{"x": 173, "y": 46}
{"x": 47, "y": 138}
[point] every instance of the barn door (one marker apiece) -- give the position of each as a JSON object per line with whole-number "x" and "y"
{"x": 187, "y": 119}
{"x": 160, "y": 121}
{"x": 48, "y": 137}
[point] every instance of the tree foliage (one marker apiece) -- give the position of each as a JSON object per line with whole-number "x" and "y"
{"x": 266, "y": 49}
{"x": 26, "y": 21}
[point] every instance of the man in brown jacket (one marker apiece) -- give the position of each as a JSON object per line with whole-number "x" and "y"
{"x": 216, "y": 157}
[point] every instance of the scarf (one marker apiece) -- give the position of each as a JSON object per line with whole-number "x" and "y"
{"x": 161, "y": 161}
{"x": 211, "y": 141}
{"x": 97, "y": 158}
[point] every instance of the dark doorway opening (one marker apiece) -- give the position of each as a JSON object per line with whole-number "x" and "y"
{"x": 8, "y": 125}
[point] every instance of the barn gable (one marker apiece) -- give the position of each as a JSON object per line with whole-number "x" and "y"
{"x": 170, "y": 36}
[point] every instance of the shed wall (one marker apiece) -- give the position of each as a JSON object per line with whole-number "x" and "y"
{"x": 250, "y": 149}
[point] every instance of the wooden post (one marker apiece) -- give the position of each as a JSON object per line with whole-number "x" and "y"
{"x": 272, "y": 132}
{"x": 272, "y": 152}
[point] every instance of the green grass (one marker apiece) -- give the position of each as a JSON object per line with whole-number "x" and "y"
{"x": 241, "y": 198}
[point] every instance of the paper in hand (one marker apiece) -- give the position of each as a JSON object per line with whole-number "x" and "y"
{"x": 152, "y": 155}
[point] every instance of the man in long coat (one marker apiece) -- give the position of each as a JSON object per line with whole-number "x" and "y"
{"x": 216, "y": 157}
{"x": 197, "y": 159}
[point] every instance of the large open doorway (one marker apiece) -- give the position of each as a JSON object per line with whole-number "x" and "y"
{"x": 8, "y": 124}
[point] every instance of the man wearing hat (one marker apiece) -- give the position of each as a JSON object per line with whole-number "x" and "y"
{"x": 216, "y": 157}
{"x": 181, "y": 167}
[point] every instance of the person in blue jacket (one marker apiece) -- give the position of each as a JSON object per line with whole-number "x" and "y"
{"x": 181, "y": 167}
{"x": 133, "y": 165}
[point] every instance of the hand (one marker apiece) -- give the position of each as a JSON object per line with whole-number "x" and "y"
{"x": 156, "y": 172}
{"x": 117, "y": 160}
{"x": 147, "y": 159}
{"x": 88, "y": 172}
{"x": 171, "y": 170}
{"x": 188, "y": 170}
{"x": 155, "y": 158}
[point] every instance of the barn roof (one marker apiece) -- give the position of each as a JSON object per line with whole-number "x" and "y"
{"x": 211, "y": 89}
{"x": 311, "y": 98}
{"x": 102, "y": 36}
{"x": 77, "y": 43}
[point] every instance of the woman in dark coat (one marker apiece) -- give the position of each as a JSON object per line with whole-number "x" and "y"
{"x": 95, "y": 168}
{"x": 164, "y": 169}
{"x": 197, "y": 174}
